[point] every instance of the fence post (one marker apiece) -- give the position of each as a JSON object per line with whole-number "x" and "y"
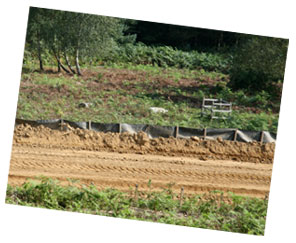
{"x": 261, "y": 136}
{"x": 235, "y": 135}
{"x": 62, "y": 125}
{"x": 176, "y": 131}
{"x": 119, "y": 127}
{"x": 205, "y": 133}
{"x": 89, "y": 125}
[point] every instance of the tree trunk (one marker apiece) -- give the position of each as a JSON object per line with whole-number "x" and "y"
{"x": 40, "y": 60}
{"x": 77, "y": 50}
{"x": 77, "y": 62}
{"x": 39, "y": 54}
{"x": 68, "y": 63}
{"x": 59, "y": 62}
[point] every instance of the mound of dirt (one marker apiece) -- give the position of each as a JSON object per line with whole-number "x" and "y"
{"x": 139, "y": 143}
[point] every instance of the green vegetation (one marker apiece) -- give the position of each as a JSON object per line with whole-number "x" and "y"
{"x": 122, "y": 67}
{"x": 126, "y": 95}
{"x": 165, "y": 56}
{"x": 70, "y": 35}
{"x": 239, "y": 214}
{"x": 258, "y": 64}
{"x": 68, "y": 38}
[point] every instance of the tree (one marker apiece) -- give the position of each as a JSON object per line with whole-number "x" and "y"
{"x": 258, "y": 62}
{"x": 87, "y": 34}
{"x": 35, "y": 34}
{"x": 72, "y": 36}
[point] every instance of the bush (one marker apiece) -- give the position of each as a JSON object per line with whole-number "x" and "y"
{"x": 258, "y": 63}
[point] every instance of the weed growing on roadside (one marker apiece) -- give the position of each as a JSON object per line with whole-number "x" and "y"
{"x": 239, "y": 214}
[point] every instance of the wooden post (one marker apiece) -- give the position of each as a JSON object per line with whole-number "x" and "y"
{"x": 235, "y": 135}
{"x": 205, "y": 133}
{"x": 89, "y": 125}
{"x": 176, "y": 131}
{"x": 119, "y": 128}
{"x": 181, "y": 196}
{"x": 261, "y": 137}
{"x": 62, "y": 125}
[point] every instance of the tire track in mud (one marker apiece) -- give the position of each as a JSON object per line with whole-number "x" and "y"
{"x": 231, "y": 177}
{"x": 123, "y": 171}
{"x": 121, "y": 165}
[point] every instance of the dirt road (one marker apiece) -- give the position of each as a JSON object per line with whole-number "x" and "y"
{"x": 66, "y": 154}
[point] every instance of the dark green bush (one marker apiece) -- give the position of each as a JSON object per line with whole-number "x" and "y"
{"x": 258, "y": 63}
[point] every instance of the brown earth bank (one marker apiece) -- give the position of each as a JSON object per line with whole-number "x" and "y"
{"x": 123, "y": 160}
{"x": 140, "y": 143}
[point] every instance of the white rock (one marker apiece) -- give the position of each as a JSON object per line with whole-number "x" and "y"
{"x": 84, "y": 105}
{"x": 158, "y": 110}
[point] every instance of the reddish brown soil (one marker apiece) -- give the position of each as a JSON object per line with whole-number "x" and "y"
{"x": 123, "y": 160}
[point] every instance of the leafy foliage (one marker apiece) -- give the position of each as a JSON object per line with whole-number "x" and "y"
{"x": 240, "y": 214}
{"x": 59, "y": 96}
{"x": 165, "y": 56}
{"x": 65, "y": 33}
{"x": 258, "y": 63}
{"x": 254, "y": 66}
{"x": 254, "y": 63}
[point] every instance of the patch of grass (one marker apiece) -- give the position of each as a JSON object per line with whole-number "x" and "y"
{"x": 240, "y": 214}
{"x": 51, "y": 96}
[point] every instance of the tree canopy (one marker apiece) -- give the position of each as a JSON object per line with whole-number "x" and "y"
{"x": 256, "y": 61}
{"x": 71, "y": 34}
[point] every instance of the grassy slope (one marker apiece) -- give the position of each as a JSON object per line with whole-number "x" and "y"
{"x": 125, "y": 93}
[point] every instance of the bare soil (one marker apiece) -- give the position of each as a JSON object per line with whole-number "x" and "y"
{"x": 123, "y": 160}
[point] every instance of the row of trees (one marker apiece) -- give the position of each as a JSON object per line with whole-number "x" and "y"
{"x": 71, "y": 35}
{"x": 256, "y": 61}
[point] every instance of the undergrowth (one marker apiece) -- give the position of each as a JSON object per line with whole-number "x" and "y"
{"x": 166, "y": 56}
{"x": 238, "y": 214}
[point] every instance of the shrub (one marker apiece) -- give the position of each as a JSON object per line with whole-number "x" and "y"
{"x": 258, "y": 63}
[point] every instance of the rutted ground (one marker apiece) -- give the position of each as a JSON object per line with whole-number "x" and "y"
{"x": 123, "y": 160}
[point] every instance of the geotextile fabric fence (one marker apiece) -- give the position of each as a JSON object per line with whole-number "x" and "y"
{"x": 154, "y": 131}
